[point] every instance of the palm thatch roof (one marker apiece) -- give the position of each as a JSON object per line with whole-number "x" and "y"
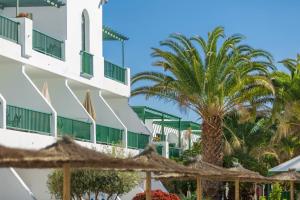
{"x": 160, "y": 164}
{"x": 66, "y": 151}
{"x": 243, "y": 174}
{"x": 211, "y": 171}
{"x": 291, "y": 175}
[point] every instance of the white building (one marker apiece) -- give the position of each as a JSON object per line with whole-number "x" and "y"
{"x": 170, "y": 133}
{"x": 58, "y": 44}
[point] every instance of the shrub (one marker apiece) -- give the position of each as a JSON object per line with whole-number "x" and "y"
{"x": 156, "y": 195}
{"x": 276, "y": 192}
{"x": 262, "y": 198}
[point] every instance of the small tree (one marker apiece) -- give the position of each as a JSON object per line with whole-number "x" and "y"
{"x": 276, "y": 192}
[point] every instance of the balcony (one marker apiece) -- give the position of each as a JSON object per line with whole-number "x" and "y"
{"x": 26, "y": 120}
{"x": 9, "y": 29}
{"x": 73, "y": 128}
{"x": 136, "y": 140}
{"x": 47, "y": 45}
{"x": 114, "y": 72}
{"x": 86, "y": 64}
{"x": 108, "y": 135}
{"x": 174, "y": 152}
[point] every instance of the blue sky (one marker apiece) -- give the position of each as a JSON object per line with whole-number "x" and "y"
{"x": 273, "y": 25}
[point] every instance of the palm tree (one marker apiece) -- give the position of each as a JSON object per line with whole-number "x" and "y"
{"x": 286, "y": 109}
{"x": 214, "y": 80}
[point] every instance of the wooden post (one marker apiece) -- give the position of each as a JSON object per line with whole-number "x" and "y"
{"x": 292, "y": 192}
{"x": 199, "y": 188}
{"x": 255, "y": 192}
{"x": 148, "y": 185}
{"x": 237, "y": 190}
{"x": 67, "y": 182}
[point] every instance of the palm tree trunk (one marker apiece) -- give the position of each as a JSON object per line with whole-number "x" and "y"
{"x": 212, "y": 150}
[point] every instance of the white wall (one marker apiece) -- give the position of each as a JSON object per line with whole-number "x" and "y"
{"x": 13, "y": 188}
{"x": 104, "y": 116}
{"x": 127, "y": 115}
{"x": 19, "y": 91}
{"x": 36, "y": 180}
{"x": 2, "y": 112}
{"x": 49, "y": 20}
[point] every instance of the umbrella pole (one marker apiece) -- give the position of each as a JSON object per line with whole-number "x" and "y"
{"x": 292, "y": 190}
{"x": 67, "y": 182}
{"x": 255, "y": 191}
{"x": 237, "y": 190}
{"x": 148, "y": 185}
{"x": 199, "y": 188}
{"x": 17, "y": 7}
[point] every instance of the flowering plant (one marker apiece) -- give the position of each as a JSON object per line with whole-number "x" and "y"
{"x": 157, "y": 195}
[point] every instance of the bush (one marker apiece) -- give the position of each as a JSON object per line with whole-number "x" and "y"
{"x": 276, "y": 192}
{"x": 262, "y": 198}
{"x": 156, "y": 195}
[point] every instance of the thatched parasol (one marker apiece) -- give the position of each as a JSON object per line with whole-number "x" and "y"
{"x": 211, "y": 172}
{"x": 88, "y": 105}
{"x": 246, "y": 175}
{"x": 45, "y": 92}
{"x": 66, "y": 154}
{"x": 150, "y": 156}
{"x": 291, "y": 176}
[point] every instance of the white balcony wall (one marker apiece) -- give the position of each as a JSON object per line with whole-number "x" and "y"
{"x": 127, "y": 115}
{"x": 36, "y": 180}
{"x": 2, "y": 112}
{"x": 64, "y": 100}
{"x": 18, "y": 90}
{"x": 49, "y": 20}
{"x": 104, "y": 115}
{"x": 13, "y": 187}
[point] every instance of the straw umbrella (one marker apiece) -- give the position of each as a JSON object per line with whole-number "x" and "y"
{"x": 45, "y": 92}
{"x": 292, "y": 176}
{"x": 161, "y": 164}
{"x": 88, "y": 105}
{"x": 66, "y": 154}
{"x": 211, "y": 172}
{"x": 245, "y": 175}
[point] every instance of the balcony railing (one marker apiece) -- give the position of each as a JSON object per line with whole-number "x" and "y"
{"x": 174, "y": 152}
{"x": 159, "y": 149}
{"x": 73, "y": 128}
{"x": 114, "y": 72}
{"x": 47, "y": 45}
{"x": 136, "y": 140}
{"x": 108, "y": 135}
{"x": 27, "y": 120}
{"x": 9, "y": 29}
{"x": 86, "y": 64}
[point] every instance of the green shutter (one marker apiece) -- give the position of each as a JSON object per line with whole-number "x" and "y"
{"x": 108, "y": 135}
{"x": 47, "y": 45}
{"x": 86, "y": 64}
{"x": 9, "y": 29}
{"x": 114, "y": 72}
{"x": 27, "y": 120}
{"x": 73, "y": 128}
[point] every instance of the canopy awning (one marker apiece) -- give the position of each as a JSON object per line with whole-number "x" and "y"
{"x": 184, "y": 125}
{"x": 31, "y": 3}
{"x": 109, "y": 34}
{"x": 145, "y": 112}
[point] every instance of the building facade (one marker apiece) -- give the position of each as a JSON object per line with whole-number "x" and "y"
{"x": 51, "y": 62}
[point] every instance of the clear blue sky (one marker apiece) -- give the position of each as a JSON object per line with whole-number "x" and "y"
{"x": 273, "y": 25}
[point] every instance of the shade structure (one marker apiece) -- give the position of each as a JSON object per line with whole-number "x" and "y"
{"x": 150, "y": 157}
{"x": 67, "y": 154}
{"x": 246, "y": 175}
{"x": 88, "y": 105}
{"x": 291, "y": 176}
{"x": 45, "y": 92}
{"x": 160, "y": 164}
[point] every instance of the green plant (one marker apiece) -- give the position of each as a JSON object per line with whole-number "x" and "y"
{"x": 262, "y": 198}
{"x": 276, "y": 192}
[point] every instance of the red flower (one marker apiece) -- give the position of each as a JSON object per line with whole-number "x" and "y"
{"x": 156, "y": 195}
